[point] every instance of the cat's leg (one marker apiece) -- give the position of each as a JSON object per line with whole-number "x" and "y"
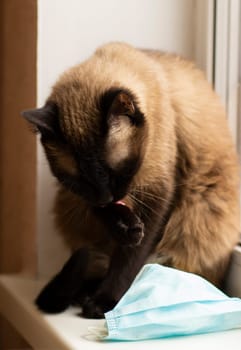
{"x": 78, "y": 279}
{"x": 59, "y": 293}
{"x": 125, "y": 264}
{"x": 127, "y": 261}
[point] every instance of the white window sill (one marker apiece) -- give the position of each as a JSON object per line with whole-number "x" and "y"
{"x": 66, "y": 331}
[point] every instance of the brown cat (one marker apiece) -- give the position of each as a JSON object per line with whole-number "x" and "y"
{"x": 147, "y": 170}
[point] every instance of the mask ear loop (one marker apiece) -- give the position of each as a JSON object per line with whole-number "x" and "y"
{"x": 97, "y": 333}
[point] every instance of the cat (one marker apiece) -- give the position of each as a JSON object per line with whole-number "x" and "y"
{"x": 147, "y": 172}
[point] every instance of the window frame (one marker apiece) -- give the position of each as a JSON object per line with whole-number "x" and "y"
{"x": 226, "y": 60}
{"x": 217, "y": 50}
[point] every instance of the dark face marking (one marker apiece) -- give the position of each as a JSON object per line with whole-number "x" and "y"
{"x": 83, "y": 167}
{"x": 95, "y": 181}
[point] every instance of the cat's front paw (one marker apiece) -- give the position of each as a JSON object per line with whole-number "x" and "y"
{"x": 52, "y": 302}
{"x": 130, "y": 234}
{"x": 97, "y": 307}
{"x": 125, "y": 227}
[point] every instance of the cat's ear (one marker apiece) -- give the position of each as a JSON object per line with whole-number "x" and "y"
{"x": 124, "y": 105}
{"x": 43, "y": 119}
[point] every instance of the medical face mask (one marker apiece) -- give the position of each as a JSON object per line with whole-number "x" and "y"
{"x": 165, "y": 302}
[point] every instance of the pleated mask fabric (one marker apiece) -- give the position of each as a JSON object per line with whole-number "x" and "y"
{"x": 165, "y": 302}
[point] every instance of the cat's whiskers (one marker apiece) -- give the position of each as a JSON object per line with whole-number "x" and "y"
{"x": 151, "y": 195}
{"x": 139, "y": 201}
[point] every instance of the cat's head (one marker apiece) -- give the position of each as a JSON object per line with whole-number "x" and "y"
{"x": 94, "y": 144}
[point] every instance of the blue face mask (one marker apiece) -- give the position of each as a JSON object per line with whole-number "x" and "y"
{"x": 164, "y": 302}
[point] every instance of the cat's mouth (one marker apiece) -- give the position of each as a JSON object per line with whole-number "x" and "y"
{"x": 120, "y": 202}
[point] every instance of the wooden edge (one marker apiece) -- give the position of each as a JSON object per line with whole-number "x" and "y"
{"x": 18, "y": 42}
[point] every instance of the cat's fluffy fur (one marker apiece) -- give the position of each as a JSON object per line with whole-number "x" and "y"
{"x": 184, "y": 187}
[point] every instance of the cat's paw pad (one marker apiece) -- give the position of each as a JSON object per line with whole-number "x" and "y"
{"x": 130, "y": 235}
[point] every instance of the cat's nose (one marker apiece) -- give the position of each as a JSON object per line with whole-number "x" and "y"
{"x": 105, "y": 200}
